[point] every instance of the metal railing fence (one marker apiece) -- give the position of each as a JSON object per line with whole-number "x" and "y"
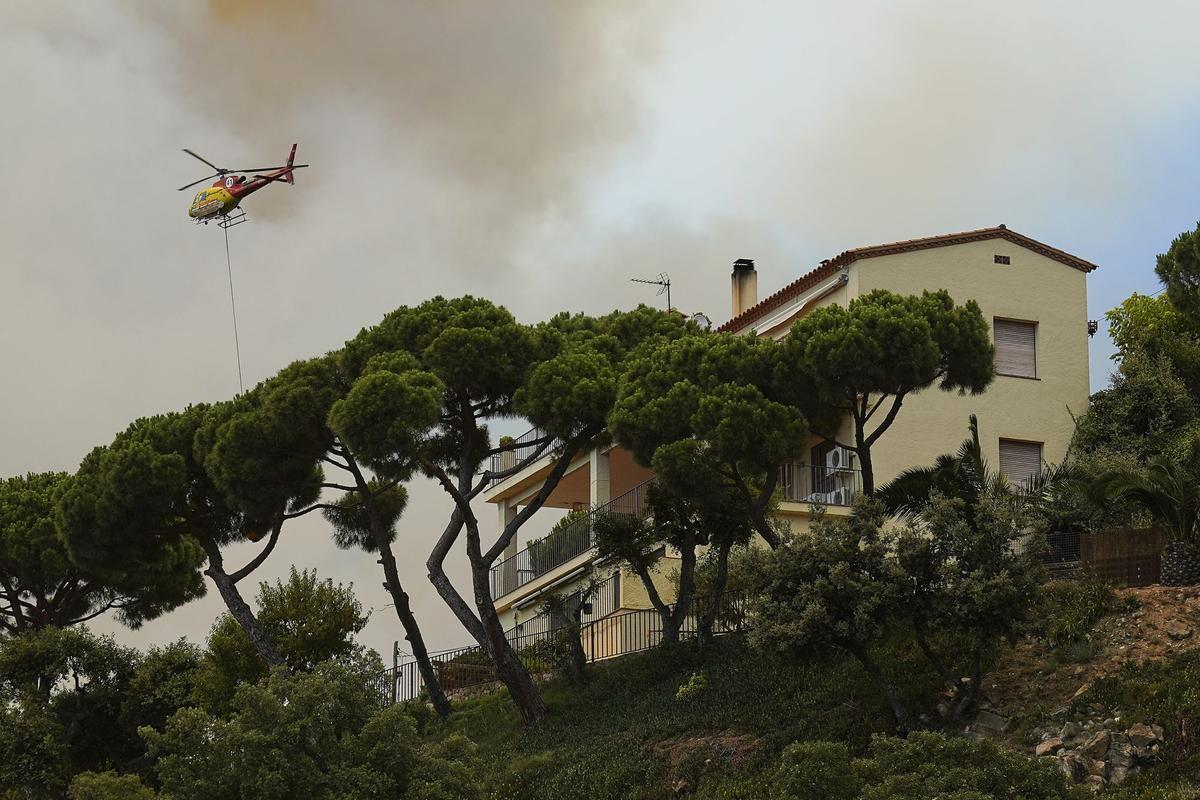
{"x": 526, "y": 444}
{"x": 559, "y": 547}
{"x": 819, "y": 484}
{"x": 604, "y": 635}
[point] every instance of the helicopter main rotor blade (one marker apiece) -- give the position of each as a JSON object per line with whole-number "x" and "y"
{"x": 206, "y": 161}
{"x": 285, "y": 166}
{"x": 257, "y": 169}
{"x": 202, "y": 180}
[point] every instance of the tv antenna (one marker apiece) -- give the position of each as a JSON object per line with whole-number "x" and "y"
{"x": 663, "y": 282}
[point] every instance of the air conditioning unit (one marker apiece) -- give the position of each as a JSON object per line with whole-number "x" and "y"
{"x": 839, "y": 459}
{"x": 840, "y": 497}
{"x": 818, "y": 498}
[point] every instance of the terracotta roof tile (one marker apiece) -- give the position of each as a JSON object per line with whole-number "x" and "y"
{"x": 830, "y": 267}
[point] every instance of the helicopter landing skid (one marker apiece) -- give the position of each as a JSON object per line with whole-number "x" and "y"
{"x": 235, "y": 217}
{"x": 226, "y": 221}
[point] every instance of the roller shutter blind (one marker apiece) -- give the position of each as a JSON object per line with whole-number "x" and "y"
{"x": 1016, "y": 348}
{"x": 1020, "y": 461}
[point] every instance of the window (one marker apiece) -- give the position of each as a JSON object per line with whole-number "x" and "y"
{"x": 1020, "y": 461}
{"x": 1016, "y": 348}
{"x": 999, "y": 259}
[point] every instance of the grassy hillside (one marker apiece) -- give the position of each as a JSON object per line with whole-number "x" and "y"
{"x": 733, "y": 723}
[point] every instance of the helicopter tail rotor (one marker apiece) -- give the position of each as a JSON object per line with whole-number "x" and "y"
{"x": 291, "y": 159}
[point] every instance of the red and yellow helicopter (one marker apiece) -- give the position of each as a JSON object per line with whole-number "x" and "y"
{"x": 220, "y": 200}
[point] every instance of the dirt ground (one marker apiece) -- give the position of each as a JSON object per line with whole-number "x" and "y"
{"x": 1166, "y": 622}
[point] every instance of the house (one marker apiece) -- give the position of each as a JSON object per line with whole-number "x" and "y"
{"x": 1033, "y": 295}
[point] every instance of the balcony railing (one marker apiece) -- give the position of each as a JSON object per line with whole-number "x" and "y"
{"x": 526, "y": 445}
{"x": 820, "y": 485}
{"x": 559, "y": 547}
{"x": 602, "y": 602}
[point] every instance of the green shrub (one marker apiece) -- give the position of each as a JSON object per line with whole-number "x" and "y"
{"x": 109, "y": 786}
{"x": 694, "y": 687}
{"x": 936, "y": 767}
{"x": 616, "y": 767}
{"x": 1070, "y": 609}
{"x": 816, "y": 771}
{"x": 447, "y": 770}
{"x": 299, "y": 735}
{"x": 551, "y": 653}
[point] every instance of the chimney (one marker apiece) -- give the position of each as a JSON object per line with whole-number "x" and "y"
{"x": 745, "y": 285}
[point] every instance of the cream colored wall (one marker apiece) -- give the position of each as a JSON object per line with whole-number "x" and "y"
{"x": 799, "y": 516}
{"x": 1032, "y": 288}
{"x": 633, "y": 591}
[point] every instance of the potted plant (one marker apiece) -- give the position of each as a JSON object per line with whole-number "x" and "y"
{"x": 508, "y": 458}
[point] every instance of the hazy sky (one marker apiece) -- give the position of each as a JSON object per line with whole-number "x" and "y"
{"x": 540, "y": 154}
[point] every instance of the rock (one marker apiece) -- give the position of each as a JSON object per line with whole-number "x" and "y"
{"x": 1120, "y": 754}
{"x": 990, "y": 721}
{"x": 1049, "y": 747}
{"x": 1073, "y": 767}
{"x": 1097, "y": 767}
{"x": 1142, "y": 735}
{"x": 1096, "y": 747}
{"x": 1069, "y": 731}
{"x": 1117, "y": 774}
{"x": 1095, "y": 782}
{"x": 1178, "y": 631}
{"x": 1111, "y": 722}
{"x": 1158, "y": 731}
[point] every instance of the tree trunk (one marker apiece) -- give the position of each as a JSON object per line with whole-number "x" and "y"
{"x": 968, "y": 697}
{"x": 516, "y": 679}
{"x": 509, "y": 669}
{"x": 578, "y": 656}
{"x": 864, "y": 459}
{"x": 237, "y": 605}
{"x": 715, "y": 594}
{"x": 939, "y": 666}
{"x": 408, "y": 621}
{"x": 572, "y": 628}
{"x": 890, "y": 693}
{"x": 412, "y": 631}
{"x": 758, "y": 509}
{"x": 672, "y": 618}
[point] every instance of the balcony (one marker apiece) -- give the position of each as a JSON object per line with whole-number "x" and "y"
{"x": 542, "y": 556}
{"x": 798, "y": 483}
{"x": 819, "y": 484}
{"x": 526, "y": 445}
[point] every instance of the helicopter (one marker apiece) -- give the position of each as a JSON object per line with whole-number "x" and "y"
{"x": 220, "y": 200}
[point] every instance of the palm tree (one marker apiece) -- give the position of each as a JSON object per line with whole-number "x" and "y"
{"x": 967, "y": 476}
{"x": 1170, "y": 492}
{"x": 964, "y": 475}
